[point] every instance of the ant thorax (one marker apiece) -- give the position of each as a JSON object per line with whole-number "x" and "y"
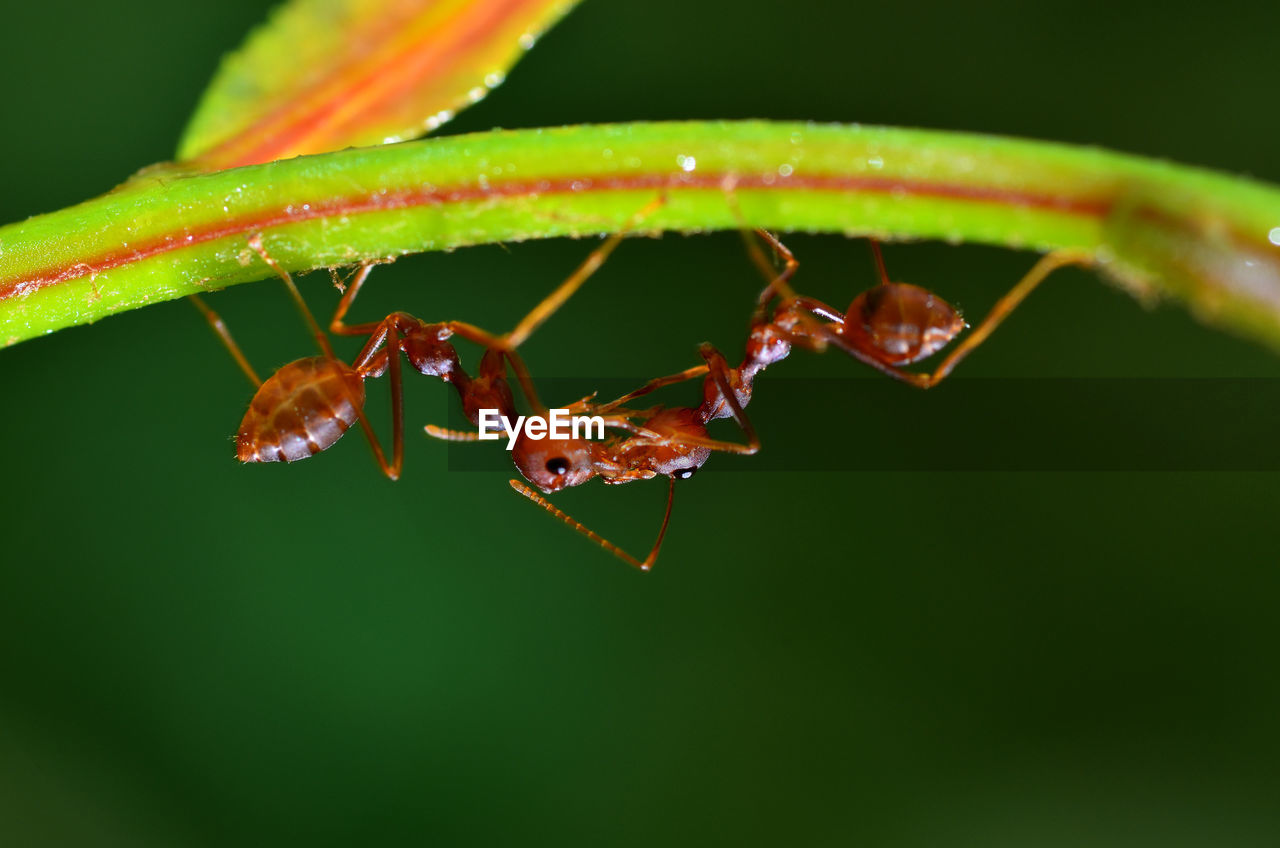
{"x": 677, "y": 452}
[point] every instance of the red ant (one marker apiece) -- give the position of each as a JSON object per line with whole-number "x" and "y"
{"x": 891, "y": 324}
{"x": 308, "y": 404}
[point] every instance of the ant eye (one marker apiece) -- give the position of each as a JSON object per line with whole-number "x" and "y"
{"x": 685, "y": 473}
{"x": 558, "y": 466}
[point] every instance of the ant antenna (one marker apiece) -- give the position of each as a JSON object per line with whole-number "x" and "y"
{"x": 596, "y": 537}
{"x": 447, "y": 435}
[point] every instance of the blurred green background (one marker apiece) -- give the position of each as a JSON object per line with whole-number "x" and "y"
{"x": 197, "y": 653}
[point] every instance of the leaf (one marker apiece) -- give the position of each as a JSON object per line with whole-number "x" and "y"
{"x": 1208, "y": 239}
{"x": 323, "y": 75}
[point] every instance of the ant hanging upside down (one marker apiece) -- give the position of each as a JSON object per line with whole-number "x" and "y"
{"x": 307, "y": 405}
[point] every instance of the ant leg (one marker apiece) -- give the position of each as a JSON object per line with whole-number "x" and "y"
{"x": 219, "y": 326}
{"x": 624, "y": 423}
{"x": 1046, "y": 266}
{"x": 779, "y": 281}
{"x": 644, "y": 565}
{"x": 548, "y": 306}
{"x": 651, "y": 386}
{"x": 382, "y": 352}
{"x": 255, "y": 243}
{"x": 582, "y": 404}
{"x": 879, "y": 257}
{"x": 397, "y": 403}
{"x": 544, "y": 310}
{"x": 489, "y": 341}
{"x": 718, "y": 370}
{"x": 348, "y": 297}
{"x": 391, "y": 469}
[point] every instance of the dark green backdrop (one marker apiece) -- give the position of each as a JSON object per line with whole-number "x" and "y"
{"x": 196, "y": 653}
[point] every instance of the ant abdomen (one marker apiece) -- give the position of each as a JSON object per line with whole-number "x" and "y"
{"x": 900, "y": 323}
{"x": 301, "y": 410}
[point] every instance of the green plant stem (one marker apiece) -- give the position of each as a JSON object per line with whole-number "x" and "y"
{"x": 1206, "y": 238}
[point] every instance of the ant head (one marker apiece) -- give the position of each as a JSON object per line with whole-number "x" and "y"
{"x": 554, "y": 464}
